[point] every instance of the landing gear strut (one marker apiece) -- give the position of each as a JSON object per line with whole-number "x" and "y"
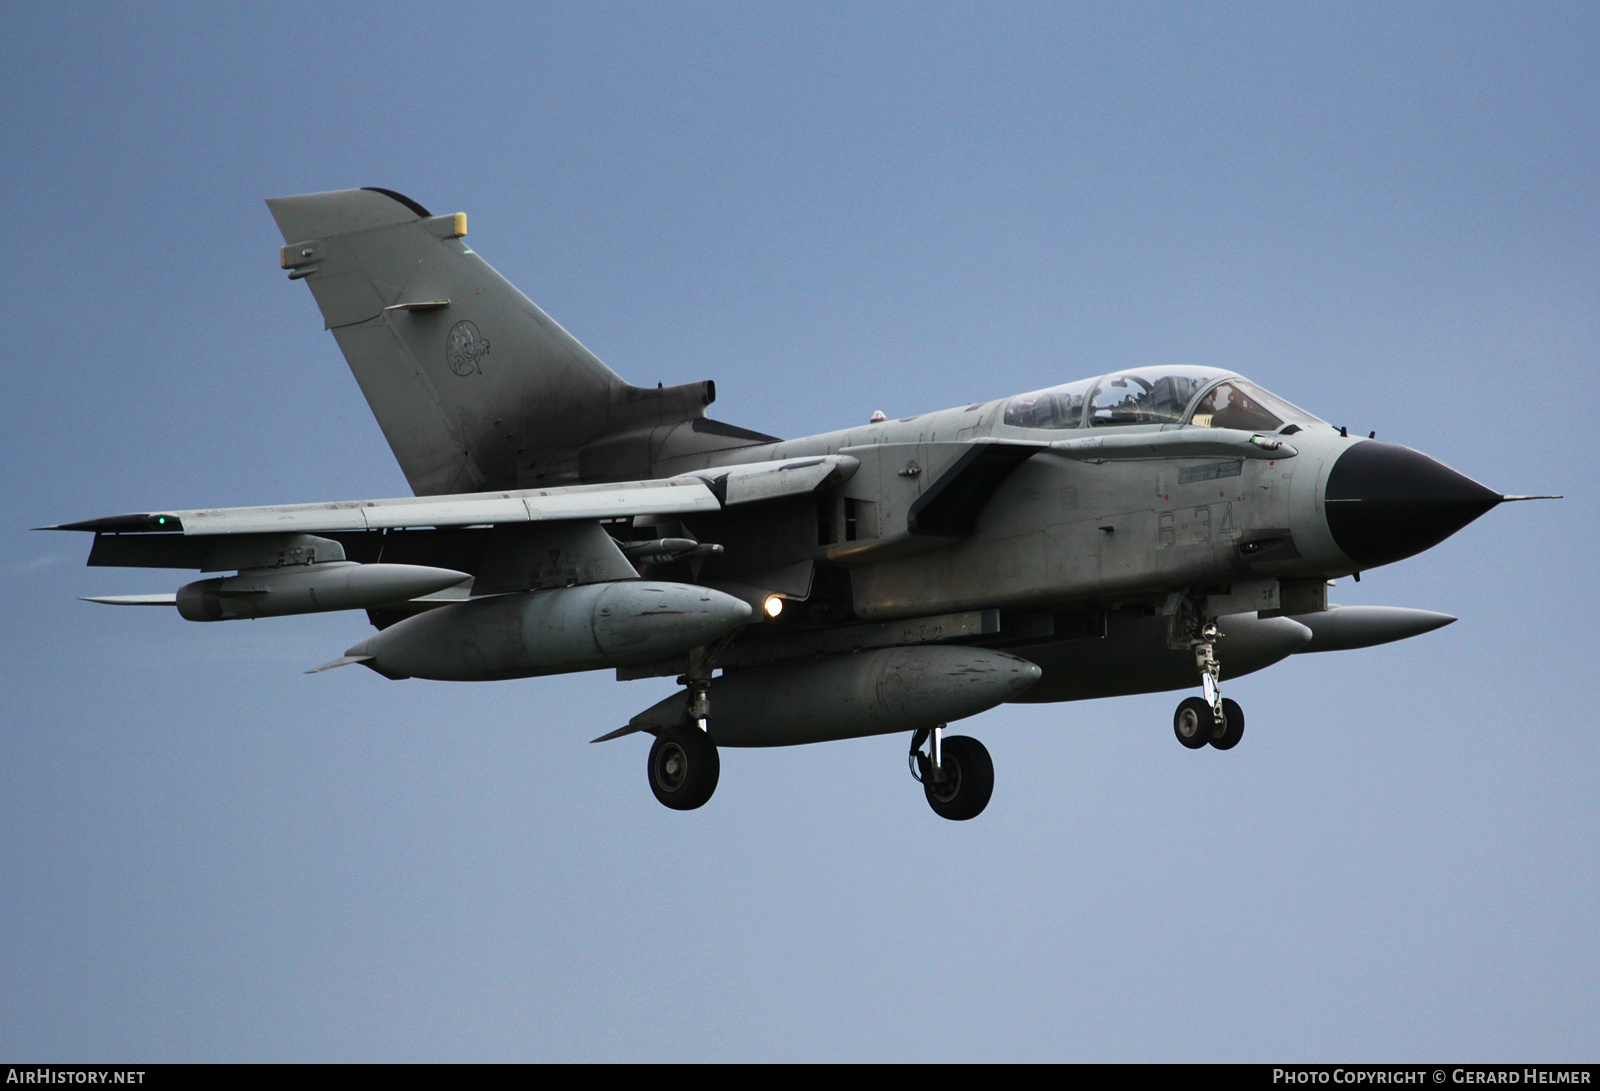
{"x": 957, "y": 773}
{"x": 1213, "y": 719}
{"x": 1228, "y": 735}
{"x": 684, "y": 765}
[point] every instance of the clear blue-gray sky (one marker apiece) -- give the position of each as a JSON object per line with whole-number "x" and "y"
{"x": 1386, "y": 213}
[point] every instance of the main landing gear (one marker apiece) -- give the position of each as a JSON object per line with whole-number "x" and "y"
{"x": 684, "y": 765}
{"x": 957, "y": 773}
{"x": 1213, "y": 719}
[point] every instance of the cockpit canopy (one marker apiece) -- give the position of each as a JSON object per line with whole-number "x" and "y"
{"x": 1206, "y": 397}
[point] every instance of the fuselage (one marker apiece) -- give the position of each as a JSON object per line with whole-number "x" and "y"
{"x": 1060, "y": 533}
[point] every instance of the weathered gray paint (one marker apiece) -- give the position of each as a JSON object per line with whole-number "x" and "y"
{"x": 1073, "y": 546}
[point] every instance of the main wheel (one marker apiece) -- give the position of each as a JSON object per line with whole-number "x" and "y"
{"x": 684, "y": 768}
{"x": 1227, "y": 737}
{"x": 1193, "y": 723}
{"x": 968, "y": 780}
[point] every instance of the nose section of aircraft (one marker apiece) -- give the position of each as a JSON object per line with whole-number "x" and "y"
{"x": 1385, "y": 502}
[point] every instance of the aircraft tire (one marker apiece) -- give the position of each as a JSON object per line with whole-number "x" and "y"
{"x": 1194, "y": 722}
{"x": 969, "y": 780}
{"x": 1233, "y": 731}
{"x": 683, "y": 768}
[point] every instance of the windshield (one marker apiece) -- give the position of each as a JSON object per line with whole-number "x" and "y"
{"x": 1157, "y": 395}
{"x": 1239, "y": 403}
{"x": 1149, "y": 395}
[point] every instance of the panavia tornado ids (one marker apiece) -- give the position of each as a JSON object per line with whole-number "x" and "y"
{"x": 1154, "y": 529}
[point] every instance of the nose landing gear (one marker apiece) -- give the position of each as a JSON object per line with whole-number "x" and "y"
{"x": 1214, "y": 718}
{"x": 1195, "y": 724}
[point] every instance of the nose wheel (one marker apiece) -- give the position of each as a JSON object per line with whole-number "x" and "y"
{"x": 1195, "y": 724}
{"x": 957, "y": 773}
{"x": 1192, "y": 723}
{"x": 1227, "y": 736}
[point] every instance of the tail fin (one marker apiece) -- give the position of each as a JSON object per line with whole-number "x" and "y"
{"x": 474, "y": 386}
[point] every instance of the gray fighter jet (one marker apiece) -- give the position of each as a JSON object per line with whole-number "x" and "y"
{"x": 1154, "y": 529}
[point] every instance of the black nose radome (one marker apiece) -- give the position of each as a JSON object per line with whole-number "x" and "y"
{"x": 1385, "y": 502}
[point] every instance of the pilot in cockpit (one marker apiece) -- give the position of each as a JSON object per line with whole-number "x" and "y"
{"x": 1230, "y": 407}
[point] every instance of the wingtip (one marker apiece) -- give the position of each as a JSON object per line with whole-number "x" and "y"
{"x": 123, "y": 524}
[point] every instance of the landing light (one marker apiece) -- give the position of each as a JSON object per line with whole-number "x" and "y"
{"x": 773, "y": 606}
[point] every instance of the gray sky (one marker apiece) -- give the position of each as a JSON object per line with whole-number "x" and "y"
{"x": 1387, "y": 214}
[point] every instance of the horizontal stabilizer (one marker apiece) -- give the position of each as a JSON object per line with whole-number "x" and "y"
{"x": 133, "y": 600}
